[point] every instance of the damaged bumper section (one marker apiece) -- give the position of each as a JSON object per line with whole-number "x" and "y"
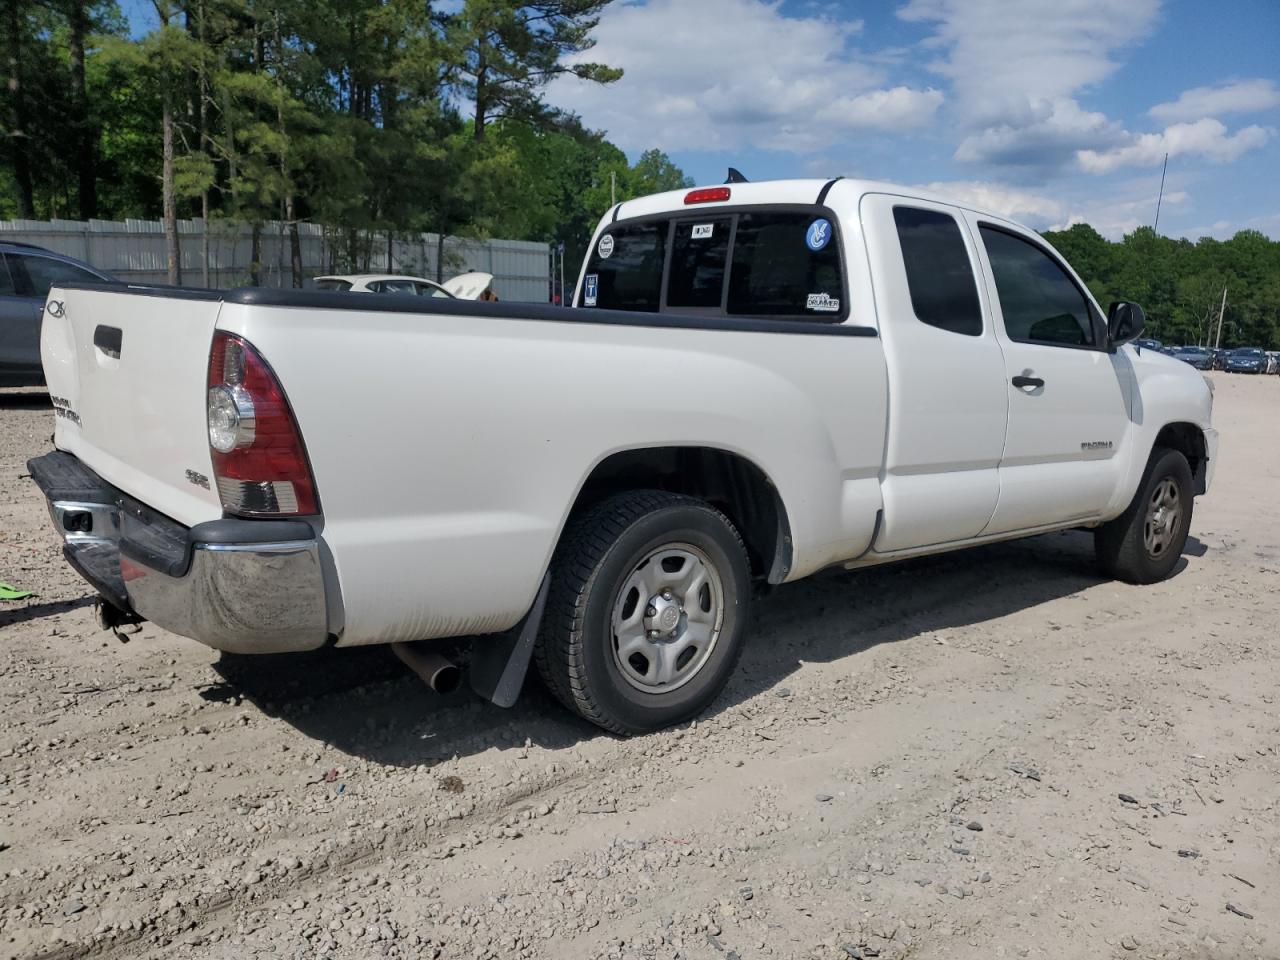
{"x": 244, "y": 586}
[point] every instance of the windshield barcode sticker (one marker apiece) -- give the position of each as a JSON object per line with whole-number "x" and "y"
{"x": 703, "y": 231}
{"x": 822, "y": 303}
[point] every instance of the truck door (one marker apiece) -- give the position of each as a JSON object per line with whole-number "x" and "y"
{"x": 948, "y": 402}
{"x": 1068, "y": 396}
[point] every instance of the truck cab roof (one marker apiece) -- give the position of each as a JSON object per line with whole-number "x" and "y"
{"x": 802, "y": 191}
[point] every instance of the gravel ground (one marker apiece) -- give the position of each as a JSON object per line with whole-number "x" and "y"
{"x": 989, "y": 754}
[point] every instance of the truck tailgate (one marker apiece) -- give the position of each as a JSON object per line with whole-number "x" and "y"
{"x": 127, "y": 374}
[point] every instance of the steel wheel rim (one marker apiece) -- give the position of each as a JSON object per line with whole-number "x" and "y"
{"x": 1163, "y": 518}
{"x": 666, "y": 619}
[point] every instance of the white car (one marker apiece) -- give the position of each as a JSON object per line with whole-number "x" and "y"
{"x": 759, "y": 381}
{"x": 465, "y": 286}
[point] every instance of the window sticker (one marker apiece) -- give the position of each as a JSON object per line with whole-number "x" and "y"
{"x": 822, "y": 303}
{"x": 703, "y": 231}
{"x": 818, "y": 235}
{"x": 606, "y": 247}
{"x": 591, "y": 290}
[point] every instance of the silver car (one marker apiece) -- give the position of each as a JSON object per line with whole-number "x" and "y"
{"x": 26, "y": 274}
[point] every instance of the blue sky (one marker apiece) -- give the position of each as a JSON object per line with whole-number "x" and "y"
{"x": 1051, "y": 111}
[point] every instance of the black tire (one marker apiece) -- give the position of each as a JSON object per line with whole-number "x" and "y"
{"x": 598, "y": 556}
{"x": 1122, "y": 545}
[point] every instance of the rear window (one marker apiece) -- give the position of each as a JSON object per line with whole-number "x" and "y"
{"x": 782, "y": 263}
{"x": 624, "y": 271}
{"x": 699, "y": 252}
{"x": 786, "y": 264}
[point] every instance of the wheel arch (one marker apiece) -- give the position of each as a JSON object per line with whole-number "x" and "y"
{"x": 1189, "y": 440}
{"x": 730, "y": 482}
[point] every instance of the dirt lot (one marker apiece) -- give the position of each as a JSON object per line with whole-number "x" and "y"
{"x": 990, "y": 754}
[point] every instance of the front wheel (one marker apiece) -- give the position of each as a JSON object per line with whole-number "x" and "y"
{"x": 1143, "y": 544}
{"x": 647, "y": 612}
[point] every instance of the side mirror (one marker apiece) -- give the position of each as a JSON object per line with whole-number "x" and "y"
{"x": 1125, "y": 322}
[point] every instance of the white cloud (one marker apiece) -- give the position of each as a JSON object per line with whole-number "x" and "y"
{"x": 720, "y": 74}
{"x": 1015, "y": 203}
{"x": 1039, "y": 134}
{"x": 1016, "y": 70}
{"x": 1243, "y": 96}
{"x": 1000, "y": 55}
{"x": 1205, "y": 138}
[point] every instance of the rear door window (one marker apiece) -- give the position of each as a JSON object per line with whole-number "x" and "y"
{"x": 7, "y": 289}
{"x": 624, "y": 271}
{"x": 45, "y": 272}
{"x": 944, "y": 293}
{"x": 699, "y": 252}
{"x": 787, "y": 264}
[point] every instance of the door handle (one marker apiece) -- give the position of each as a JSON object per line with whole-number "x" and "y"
{"x": 1021, "y": 382}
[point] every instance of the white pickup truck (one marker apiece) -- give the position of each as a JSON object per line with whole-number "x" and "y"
{"x": 756, "y": 382}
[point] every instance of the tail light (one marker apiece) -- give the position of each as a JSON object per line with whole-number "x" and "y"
{"x": 259, "y": 461}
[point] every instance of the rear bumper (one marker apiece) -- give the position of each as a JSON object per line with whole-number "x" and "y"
{"x": 244, "y": 586}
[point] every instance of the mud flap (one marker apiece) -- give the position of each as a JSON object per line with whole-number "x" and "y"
{"x": 499, "y": 664}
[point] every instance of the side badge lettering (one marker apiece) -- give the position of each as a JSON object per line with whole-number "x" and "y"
{"x": 590, "y": 290}
{"x": 818, "y": 235}
{"x": 199, "y": 479}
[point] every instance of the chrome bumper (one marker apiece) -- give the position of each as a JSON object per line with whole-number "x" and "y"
{"x": 238, "y": 597}
{"x": 233, "y": 585}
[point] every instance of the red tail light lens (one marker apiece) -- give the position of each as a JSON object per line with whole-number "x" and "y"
{"x": 259, "y": 461}
{"x": 707, "y": 195}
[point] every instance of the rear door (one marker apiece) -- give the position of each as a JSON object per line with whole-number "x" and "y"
{"x": 1068, "y": 396}
{"x": 127, "y": 373}
{"x": 947, "y": 399}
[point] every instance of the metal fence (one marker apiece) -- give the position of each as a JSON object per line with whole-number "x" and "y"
{"x": 134, "y": 251}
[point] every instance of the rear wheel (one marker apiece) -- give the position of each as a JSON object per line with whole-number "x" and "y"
{"x": 1143, "y": 544}
{"x": 647, "y": 611}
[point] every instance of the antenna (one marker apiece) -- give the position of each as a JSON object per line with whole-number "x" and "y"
{"x": 1163, "y": 170}
{"x": 735, "y": 176}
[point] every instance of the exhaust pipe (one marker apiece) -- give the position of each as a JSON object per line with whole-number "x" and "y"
{"x": 439, "y": 673}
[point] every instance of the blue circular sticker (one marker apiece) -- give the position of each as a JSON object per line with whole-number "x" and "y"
{"x": 818, "y": 235}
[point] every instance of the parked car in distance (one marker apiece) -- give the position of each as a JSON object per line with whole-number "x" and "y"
{"x": 1246, "y": 360}
{"x": 465, "y": 286}
{"x": 1149, "y": 344}
{"x": 1198, "y": 357}
{"x": 756, "y": 382}
{"x": 26, "y": 274}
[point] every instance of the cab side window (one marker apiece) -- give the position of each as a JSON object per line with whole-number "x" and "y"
{"x": 1040, "y": 302}
{"x": 944, "y": 293}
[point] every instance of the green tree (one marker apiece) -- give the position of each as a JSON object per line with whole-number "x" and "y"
{"x": 504, "y": 52}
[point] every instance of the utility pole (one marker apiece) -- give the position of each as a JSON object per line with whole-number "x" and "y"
{"x": 1217, "y": 342}
{"x": 1163, "y": 170}
{"x": 613, "y": 188}
{"x": 563, "y": 299}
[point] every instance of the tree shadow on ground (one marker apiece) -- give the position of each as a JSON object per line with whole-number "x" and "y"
{"x": 365, "y": 702}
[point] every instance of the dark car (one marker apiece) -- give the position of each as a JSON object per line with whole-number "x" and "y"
{"x": 1198, "y": 357}
{"x": 1155, "y": 345}
{"x": 26, "y": 274}
{"x": 1246, "y": 360}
